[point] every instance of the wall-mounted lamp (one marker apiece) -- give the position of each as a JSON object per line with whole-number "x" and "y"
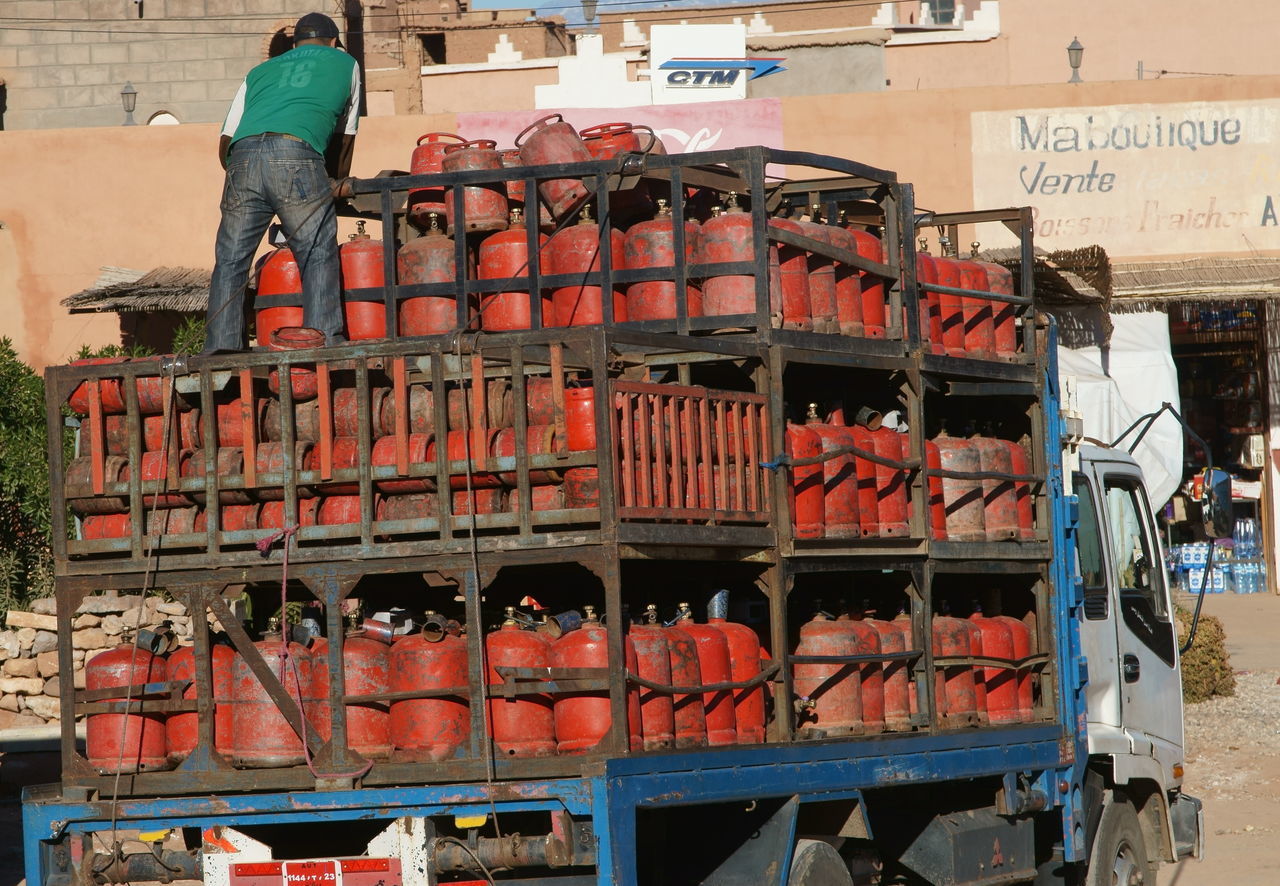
{"x": 1075, "y": 52}
{"x": 129, "y": 98}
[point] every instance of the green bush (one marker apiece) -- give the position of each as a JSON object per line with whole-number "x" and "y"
{"x": 26, "y": 567}
{"x": 1206, "y": 668}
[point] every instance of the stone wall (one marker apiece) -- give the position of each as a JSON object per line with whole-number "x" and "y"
{"x": 29, "y": 667}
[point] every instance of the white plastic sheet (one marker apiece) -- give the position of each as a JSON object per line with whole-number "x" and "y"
{"x": 1131, "y": 377}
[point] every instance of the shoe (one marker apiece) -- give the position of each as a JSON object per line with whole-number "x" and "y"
{"x": 335, "y": 340}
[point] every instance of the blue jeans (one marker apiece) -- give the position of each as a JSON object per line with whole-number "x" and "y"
{"x": 267, "y": 176}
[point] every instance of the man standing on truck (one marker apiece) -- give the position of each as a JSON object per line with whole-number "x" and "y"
{"x": 286, "y": 146}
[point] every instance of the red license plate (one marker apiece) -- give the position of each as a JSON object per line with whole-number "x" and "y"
{"x": 311, "y": 873}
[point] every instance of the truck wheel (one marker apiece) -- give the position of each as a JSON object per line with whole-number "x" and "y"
{"x": 1119, "y": 856}
{"x": 815, "y": 863}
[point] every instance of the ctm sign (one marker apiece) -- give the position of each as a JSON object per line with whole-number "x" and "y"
{"x": 716, "y": 73}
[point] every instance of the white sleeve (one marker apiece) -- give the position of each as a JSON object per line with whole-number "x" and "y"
{"x": 353, "y": 103}
{"x": 236, "y": 111}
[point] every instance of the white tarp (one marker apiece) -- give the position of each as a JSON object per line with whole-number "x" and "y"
{"x": 1133, "y": 376}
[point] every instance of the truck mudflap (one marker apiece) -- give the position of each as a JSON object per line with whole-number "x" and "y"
{"x": 1186, "y": 815}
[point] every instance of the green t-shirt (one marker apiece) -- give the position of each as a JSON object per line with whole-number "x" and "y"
{"x": 307, "y": 92}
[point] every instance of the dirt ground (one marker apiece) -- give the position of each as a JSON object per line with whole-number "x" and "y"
{"x": 1233, "y": 761}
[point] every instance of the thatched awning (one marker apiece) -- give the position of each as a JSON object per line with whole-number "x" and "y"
{"x": 1155, "y": 284}
{"x": 162, "y": 289}
{"x": 1074, "y": 285}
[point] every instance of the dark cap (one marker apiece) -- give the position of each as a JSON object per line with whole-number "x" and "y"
{"x": 315, "y": 25}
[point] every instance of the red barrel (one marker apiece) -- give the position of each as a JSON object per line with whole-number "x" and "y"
{"x": 576, "y": 250}
{"x": 999, "y": 497}
{"x": 182, "y": 729}
{"x": 806, "y": 490}
{"x": 429, "y": 728}
{"x": 893, "y": 672}
{"x": 427, "y": 259}
{"x": 484, "y": 205}
{"x": 951, "y": 307}
{"x": 930, "y": 305}
{"x": 428, "y": 159}
{"x": 744, "y": 664}
{"x": 582, "y": 719}
{"x": 505, "y": 256}
{"x": 954, "y": 687}
{"x": 839, "y": 479}
{"x": 792, "y": 277}
{"x": 979, "y": 328}
{"x": 1001, "y": 683}
{"x": 1005, "y": 315}
{"x": 962, "y": 499}
{"x": 366, "y": 663}
{"x": 278, "y": 301}
{"x": 653, "y": 663}
{"x": 936, "y": 495}
{"x": 892, "y": 494}
{"x": 552, "y": 140}
{"x": 875, "y": 306}
{"x": 822, "y": 279}
{"x": 830, "y": 693}
{"x": 132, "y": 742}
{"x": 651, "y": 244}
{"x": 260, "y": 735}
{"x": 715, "y": 665}
{"x": 522, "y": 725}
{"x": 361, "y": 260}
{"x": 689, "y": 712}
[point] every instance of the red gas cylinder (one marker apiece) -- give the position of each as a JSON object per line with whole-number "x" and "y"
{"x": 582, "y": 488}
{"x": 539, "y": 440}
{"x": 1023, "y": 644}
{"x": 839, "y": 478}
{"x": 522, "y": 725}
{"x": 892, "y": 494}
{"x": 607, "y": 141}
{"x": 361, "y": 258}
{"x": 651, "y": 244}
{"x": 429, "y": 728}
{"x": 902, "y": 624}
{"x": 979, "y": 681}
{"x": 582, "y": 719}
{"x": 999, "y": 497}
{"x": 272, "y": 515}
{"x": 427, "y": 259}
{"x": 551, "y": 140}
{"x": 366, "y": 663}
{"x": 962, "y": 499}
{"x": 302, "y": 375}
{"x": 484, "y": 205}
{"x": 505, "y": 256}
{"x": 822, "y": 278}
{"x": 744, "y": 663}
{"x": 715, "y": 665}
{"x": 463, "y": 446}
{"x": 1005, "y": 319}
{"x": 865, "y": 470}
{"x": 576, "y": 250}
{"x": 951, "y": 307}
{"x": 278, "y": 301}
{"x": 806, "y": 490}
{"x": 182, "y": 729}
{"x": 874, "y": 303}
{"x": 954, "y": 688}
{"x": 893, "y": 672}
{"x": 125, "y": 742}
{"x": 830, "y": 694}
{"x": 1001, "y": 683}
{"x": 979, "y": 328}
{"x": 428, "y": 159}
{"x": 339, "y": 510}
{"x": 383, "y": 454}
{"x": 1020, "y": 465}
{"x": 653, "y": 663}
{"x": 689, "y": 711}
{"x": 95, "y": 527}
{"x": 930, "y": 303}
{"x": 116, "y": 432}
{"x": 727, "y": 237}
{"x": 792, "y": 269}
{"x": 864, "y": 639}
{"x": 515, "y": 186}
{"x": 580, "y": 418}
{"x": 848, "y": 285}
{"x": 234, "y": 518}
{"x": 937, "y": 498}
{"x": 260, "y": 735}
{"x": 116, "y": 470}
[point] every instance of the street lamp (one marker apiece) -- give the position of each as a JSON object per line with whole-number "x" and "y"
{"x": 129, "y": 98}
{"x": 1074, "y": 53}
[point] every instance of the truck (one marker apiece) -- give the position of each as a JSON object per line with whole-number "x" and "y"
{"x": 720, "y": 536}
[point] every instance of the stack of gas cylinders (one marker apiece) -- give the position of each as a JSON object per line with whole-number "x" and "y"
{"x": 424, "y": 673}
{"x": 962, "y": 325}
{"x": 853, "y": 672}
{"x": 504, "y": 219}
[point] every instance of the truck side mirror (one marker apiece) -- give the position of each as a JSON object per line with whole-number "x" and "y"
{"x": 1217, "y": 503}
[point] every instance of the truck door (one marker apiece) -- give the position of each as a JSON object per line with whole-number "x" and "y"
{"x": 1149, "y": 682}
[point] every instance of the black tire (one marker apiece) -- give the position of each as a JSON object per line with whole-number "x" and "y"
{"x": 815, "y": 863}
{"x": 1119, "y": 856}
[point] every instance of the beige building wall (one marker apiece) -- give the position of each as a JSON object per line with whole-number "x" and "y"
{"x": 764, "y": 18}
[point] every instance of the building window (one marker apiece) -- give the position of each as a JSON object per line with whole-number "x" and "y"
{"x": 944, "y": 12}
{"x": 162, "y": 118}
{"x": 432, "y": 48}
